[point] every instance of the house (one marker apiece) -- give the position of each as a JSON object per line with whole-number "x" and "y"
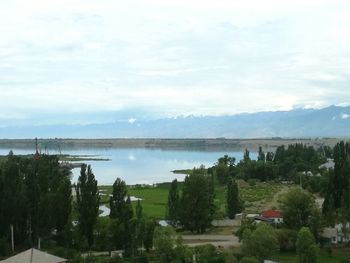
{"x": 34, "y": 256}
{"x": 259, "y": 219}
{"x": 337, "y": 234}
{"x": 274, "y": 215}
{"x": 327, "y": 165}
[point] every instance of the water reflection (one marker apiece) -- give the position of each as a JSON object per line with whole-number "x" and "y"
{"x": 141, "y": 166}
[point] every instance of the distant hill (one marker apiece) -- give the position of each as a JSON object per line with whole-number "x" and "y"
{"x": 328, "y": 122}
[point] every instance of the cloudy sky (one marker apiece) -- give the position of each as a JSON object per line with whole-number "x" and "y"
{"x": 95, "y": 59}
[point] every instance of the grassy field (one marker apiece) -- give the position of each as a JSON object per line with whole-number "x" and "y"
{"x": 154, "y": 199}
{"x": 258, "y": 197}
{"x": 338, "y": 254}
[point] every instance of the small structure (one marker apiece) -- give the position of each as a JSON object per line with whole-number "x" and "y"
{"x": 327, "y": 165}
{"x": 259, "y": 219}
{"x": 34, "y": 256}
{"x": 274, "y": 215}
{"x": 330, "y": 234}
{"x": 226, "y": 222}
{"x": 337, "y": 234}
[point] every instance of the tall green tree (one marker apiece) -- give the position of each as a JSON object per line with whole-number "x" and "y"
{"x": 197, "y": 201}
{"x": 234, "y": 203}
{"x": 297, "y": 208}
{"x": 336, "y": 205}
{"x": 306, "y": 246}
{"x": 139, "y": 226}
{"x": 88, "y": 201}
{"x": 261, "y": 155}
{"x": 262, "y": 243}
{"x": 167, "y": 244}
{"x": 246, "y": 156}
{"x": 117, "y": 201}
{"x": 173, "y": 206}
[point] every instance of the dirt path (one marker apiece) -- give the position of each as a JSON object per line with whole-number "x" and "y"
{"x": 215, "y": 240}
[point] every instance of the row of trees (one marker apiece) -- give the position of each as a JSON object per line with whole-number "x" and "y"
{"x": 263, "y": 242}
{"x": 35, "y": 199}
{"x": 127, "y": 230}
{"x": 284, "y": 164}
{"x": 193, "y": 208}
{"x": 336, "y": 206}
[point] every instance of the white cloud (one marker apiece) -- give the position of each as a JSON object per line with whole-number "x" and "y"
{"x": 172, "y": 57}
{"x": 344, "y": 116}
{"x": 131, "y": 120}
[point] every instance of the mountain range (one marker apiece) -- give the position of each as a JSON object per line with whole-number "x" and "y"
{"x": 333, "y": 121}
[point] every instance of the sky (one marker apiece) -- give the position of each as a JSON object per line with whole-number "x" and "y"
{"x": 86, "y": 61}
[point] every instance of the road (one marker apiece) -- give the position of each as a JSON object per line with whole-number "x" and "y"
{"x": 215, "y": 240}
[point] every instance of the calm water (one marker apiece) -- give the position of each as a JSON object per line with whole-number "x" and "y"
{"x": 141, "y": 166}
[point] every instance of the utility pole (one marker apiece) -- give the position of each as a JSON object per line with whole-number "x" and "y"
{"x": 12, "y": 239}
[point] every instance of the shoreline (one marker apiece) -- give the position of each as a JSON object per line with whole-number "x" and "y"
{"x": 190, "y": 144}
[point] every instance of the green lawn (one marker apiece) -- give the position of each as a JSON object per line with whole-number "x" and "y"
{"x": 154, "y": 199}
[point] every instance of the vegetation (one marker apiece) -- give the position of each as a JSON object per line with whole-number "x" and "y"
{"x": 234, "y": 202}
{"x": 306, "y": 246}
{"x": 36, "y": 199}
{"x": 261, "y": 243}
{"x": 337, "y": 195}
{"x": 173, "y": 207}
{"x": 297, "y": 208}
{"x": 88, "y": 202}
{"x": 197, "y": 202}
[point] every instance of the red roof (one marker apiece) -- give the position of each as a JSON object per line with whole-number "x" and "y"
{"x": 271, "y": 214}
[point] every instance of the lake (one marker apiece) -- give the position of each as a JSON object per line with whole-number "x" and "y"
{"x": 140, "y": 165}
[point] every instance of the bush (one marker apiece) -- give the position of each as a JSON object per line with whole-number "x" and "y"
{"x": 287, "y": 239}
{"x": 252, "y": 182}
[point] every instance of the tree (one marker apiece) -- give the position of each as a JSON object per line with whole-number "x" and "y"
{"x": 261, "y": 243}
{"x": 117, "y": 201}
{"x": 306, "y": 246}
{"x": 88, "y": 201}
{"x": 197, "y": 201}
{"x": 246, "y": 157}
{"x": 149, "y": 234}
{"x": 165, "y": 241}
{"x": 209, "y": 254}
{"x": 62, "y": 206}
{"x": 297, "y": 207}
{"x": 336, "y": 206}
{"x": 270, "y": 156}
{"x": 234, "y": 204}
{"x": 287, "y": 239}
{"x": 140, "y": 226}
{"x": 224, "y": 169}
{"x": 123, "y": 228}
{"x": 261, "y": 155}
{"x": 227, "y": 160}
{"x": 173, "y": 206}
